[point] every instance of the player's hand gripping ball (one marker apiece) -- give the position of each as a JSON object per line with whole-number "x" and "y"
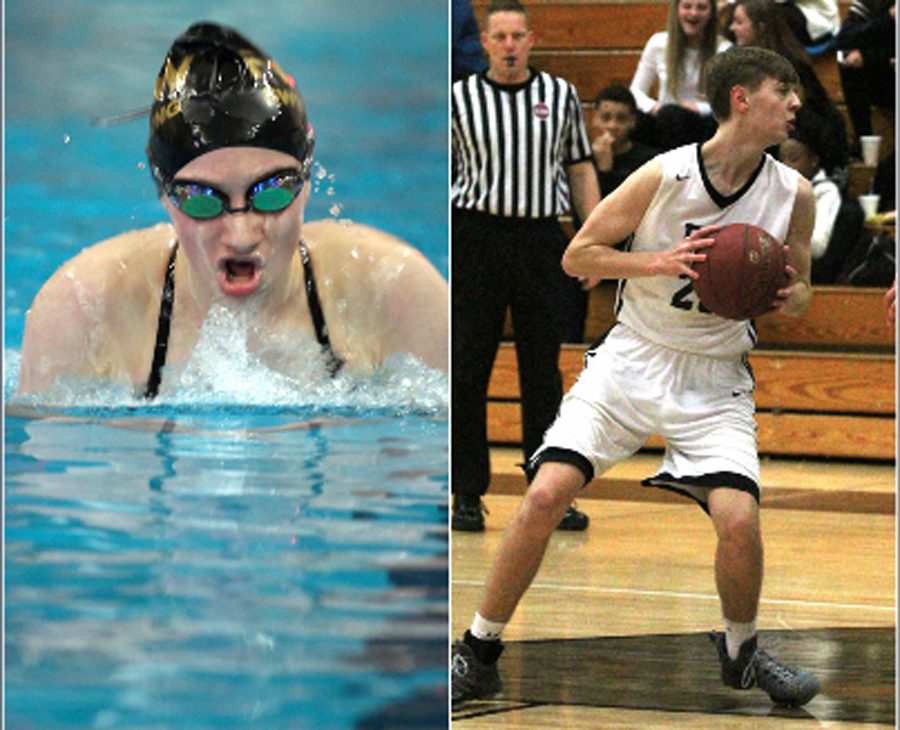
{"x": 742, "y": 272}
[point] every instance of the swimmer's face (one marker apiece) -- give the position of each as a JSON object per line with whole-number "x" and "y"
{"x": 238, "y": 254}
{"x": 508, "y": 41}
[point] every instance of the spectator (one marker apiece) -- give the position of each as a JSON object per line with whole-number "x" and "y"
{"x": 812, "y": 22}
{"x": 866, "y": 62}
{"x": 466, "y": 51}
{"x": 616, "y": 156}
{"x": 873, "y": 262}
{"x": 758, "y": 23}
{"x": 673, "y": 59}
{"x": 839, "y": 219}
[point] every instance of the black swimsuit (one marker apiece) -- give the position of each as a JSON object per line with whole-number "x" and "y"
{"x": 165, "y": 319}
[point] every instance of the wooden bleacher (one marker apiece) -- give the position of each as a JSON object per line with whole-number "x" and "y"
{"x": 593, "y": 43}
{"x": 825, "y": 382}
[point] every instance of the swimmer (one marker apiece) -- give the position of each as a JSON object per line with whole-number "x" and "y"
{"x": 230, "y": 150}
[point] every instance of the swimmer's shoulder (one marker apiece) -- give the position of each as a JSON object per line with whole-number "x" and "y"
{"x": 95, "y": 315}
{"x": 361, "y": 254}
{"x": 125, "y": 264}
{"x": 396, "y": 300}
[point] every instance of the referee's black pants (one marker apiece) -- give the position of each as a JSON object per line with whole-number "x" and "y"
{"x": 499, "y": 263}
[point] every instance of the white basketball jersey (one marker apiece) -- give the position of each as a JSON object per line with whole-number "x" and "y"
{"x": 665, "y": 309}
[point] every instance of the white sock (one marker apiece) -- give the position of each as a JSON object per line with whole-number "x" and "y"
{"x": 736, "y": 634}
{"x": 486, "y": 630}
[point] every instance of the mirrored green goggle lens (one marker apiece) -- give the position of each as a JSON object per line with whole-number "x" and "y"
{"x": 271, "y": 199}
{"x": 202, "y": 206}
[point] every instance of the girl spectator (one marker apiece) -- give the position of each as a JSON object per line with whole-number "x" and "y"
{"x": 674, "y": 60}
{"x": 759, "y": 23}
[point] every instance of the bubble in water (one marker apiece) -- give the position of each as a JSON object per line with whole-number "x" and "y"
{"x": 141, "y": 166}
{"x": 335, "y": 209}
{"x": 329, "y": 191}
{"x": 66, "y": 139}
{"x": 320, "y": 172}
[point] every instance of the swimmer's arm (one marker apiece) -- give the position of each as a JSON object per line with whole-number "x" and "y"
{"x": 416, "y": 308}
{"x": 794, "y": 299}
{"x": 57, "y": 339}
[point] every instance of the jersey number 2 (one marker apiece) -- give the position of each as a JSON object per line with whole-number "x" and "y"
{"x": 682, "y": 299}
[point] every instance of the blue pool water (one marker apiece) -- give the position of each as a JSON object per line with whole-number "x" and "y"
{"x": 254, "y": 555}
{"x": 227, "y": 571}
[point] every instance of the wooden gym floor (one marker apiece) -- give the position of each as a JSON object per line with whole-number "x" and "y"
{"x": 612, "y": 633}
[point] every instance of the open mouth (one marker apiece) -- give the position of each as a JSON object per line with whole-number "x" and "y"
{"x": 239, "y": 277}
{"x": 236, "y": 269}
{"x": 510, "y": 61}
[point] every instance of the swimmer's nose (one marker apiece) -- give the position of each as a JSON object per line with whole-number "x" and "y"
{"x": 242, "y": 231}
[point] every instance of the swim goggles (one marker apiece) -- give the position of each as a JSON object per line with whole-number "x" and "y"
{"x": 271, "y": 194}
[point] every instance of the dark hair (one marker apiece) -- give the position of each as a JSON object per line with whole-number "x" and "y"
{"x": 747, "y": 67}
{"x": 618, "y": 93}
{"x": 812, "y": 131}
{"x": 771, "y": 29}
{"x": 506, "y": 6}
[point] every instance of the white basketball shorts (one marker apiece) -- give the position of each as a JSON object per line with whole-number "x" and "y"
{"x": 632, "y": 388}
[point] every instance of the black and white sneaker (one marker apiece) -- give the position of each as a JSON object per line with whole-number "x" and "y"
{"x": 755, "y": 668}
{"x": 471, "y": 678}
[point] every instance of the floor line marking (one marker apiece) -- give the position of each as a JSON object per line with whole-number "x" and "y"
{"x": 679, "y": 594}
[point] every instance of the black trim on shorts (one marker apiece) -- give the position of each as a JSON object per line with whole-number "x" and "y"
{"x": 565, "y": 456}
{"x": 745, "y": 361}
{"x": 729, "y": 479}
{"x": 598, "y": 341}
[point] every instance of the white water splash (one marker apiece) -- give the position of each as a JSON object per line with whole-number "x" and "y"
{"x": 223, "y": 371}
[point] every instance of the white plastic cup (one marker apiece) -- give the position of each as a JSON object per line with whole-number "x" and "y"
{"x": 870, "y": 146}
{"x": 869, "y": 204}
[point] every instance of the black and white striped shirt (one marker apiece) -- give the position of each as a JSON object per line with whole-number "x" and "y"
{"x": 512, "y": 144}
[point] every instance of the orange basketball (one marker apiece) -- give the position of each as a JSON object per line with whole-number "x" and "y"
{"x": 742, "y": 272}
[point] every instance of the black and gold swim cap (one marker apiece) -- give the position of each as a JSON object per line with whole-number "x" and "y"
{"x": 216, "y": 89}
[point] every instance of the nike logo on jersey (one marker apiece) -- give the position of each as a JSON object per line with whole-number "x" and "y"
{"x": 681, "y": 177}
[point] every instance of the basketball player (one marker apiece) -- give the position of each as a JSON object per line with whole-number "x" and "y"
{"x": 670, "y": 367}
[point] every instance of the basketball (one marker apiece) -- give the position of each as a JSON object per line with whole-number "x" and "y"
{"x": 742, "y": 272}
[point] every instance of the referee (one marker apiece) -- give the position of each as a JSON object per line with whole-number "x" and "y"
{"x": 520, "y": 154}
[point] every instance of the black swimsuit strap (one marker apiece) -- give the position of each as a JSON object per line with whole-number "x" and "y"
{"x": 162, "y": 328}
{"x": 315, "y": 309}
{"x": 165, "y": 321}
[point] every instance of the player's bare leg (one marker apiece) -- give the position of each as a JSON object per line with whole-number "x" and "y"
{"x": 515, "y": 565}
{"x": 525, "y": 540}
{"x": 739, "y": 570}
{"x": 739, "y": 552}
